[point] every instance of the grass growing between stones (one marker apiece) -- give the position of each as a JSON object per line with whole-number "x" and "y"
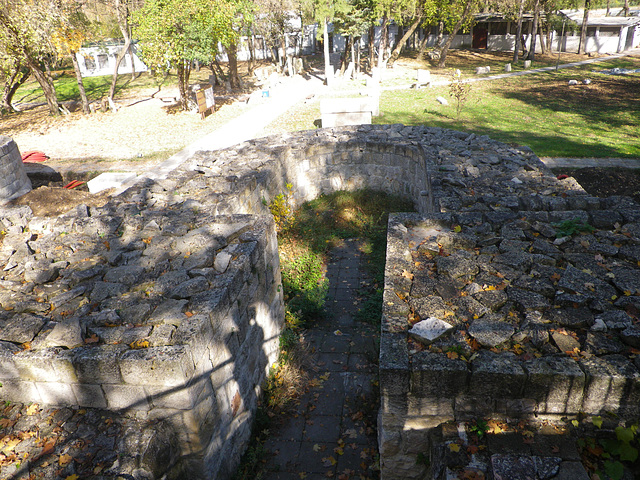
{"x": 305, "y": 238}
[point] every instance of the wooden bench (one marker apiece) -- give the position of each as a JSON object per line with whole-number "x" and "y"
{"x": 337, "y": 112}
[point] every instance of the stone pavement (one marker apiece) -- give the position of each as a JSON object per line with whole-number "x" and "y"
{"x": 331, "y": 433}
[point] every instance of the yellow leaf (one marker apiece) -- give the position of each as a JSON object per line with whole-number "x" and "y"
{"x": 140, "y": 343}
{"x": 627, "y": 293}
{"x": 64, "y": 459}
{"x": 575, "y": 423}
{"x": 72, "y": 477}
{"x": 32, "y": 409}
{"x": 597, "y": 421}
{"x": 452, "y": 355}
{"x": 454, "y": 447}
{"x": 457, "y": 229}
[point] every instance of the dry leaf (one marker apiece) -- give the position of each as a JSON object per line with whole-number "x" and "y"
{"x": 92, "y": 339}
{"x": 140, "y": 343}
{"x": 32, "y": 409}
{"x": 454, "y": 447}
{"x": 64, "y": 459}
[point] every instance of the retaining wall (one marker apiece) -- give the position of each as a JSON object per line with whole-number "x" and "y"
{"x": 166, "y": 302}
{"x": 13, "y": 177}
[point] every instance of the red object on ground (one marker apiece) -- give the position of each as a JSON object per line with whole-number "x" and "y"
{"x": 73, "y": 184}
{"x": 34, "y": 157}
{"x": 562, "y": 177}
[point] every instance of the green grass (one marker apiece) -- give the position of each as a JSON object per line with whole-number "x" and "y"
{"x": 322, "y": 224}
{"x": 539, "y": 110}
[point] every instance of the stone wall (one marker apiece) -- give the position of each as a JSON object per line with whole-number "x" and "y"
{"x": 13, "y": 177}
{"x": 166, "y": 302}
{"x": 490, "y": 312}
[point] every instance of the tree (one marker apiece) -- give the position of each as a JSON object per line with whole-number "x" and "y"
{"x": 463, "y": 17}
{"x": 25, "y": 27}
{"x": 173, "y": 34}
{"x": 121, "y": 8}
{"x": 417, "y": 20}
{"x": 325, "y": 12}
{"x": 14, "y": 73}
{"x": 582, "y": 47}
{"x": 534, "y": 30}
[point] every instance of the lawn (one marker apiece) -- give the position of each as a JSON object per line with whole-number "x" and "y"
{"x": 541, "y": 110}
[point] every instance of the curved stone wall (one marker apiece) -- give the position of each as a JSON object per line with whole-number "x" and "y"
{"x": 166, "y": 302}
{"x": 13, "y": 176}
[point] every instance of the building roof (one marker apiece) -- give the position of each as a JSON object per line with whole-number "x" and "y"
{"x": 598, "y": 18}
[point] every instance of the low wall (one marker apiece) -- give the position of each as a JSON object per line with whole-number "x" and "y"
{"x": 13, "y": 177}
{"x": 166, "y": 302}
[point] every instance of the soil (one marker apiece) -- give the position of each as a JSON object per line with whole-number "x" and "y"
{"x": 605, "y": 182}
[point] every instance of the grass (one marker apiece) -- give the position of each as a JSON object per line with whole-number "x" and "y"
{"x": 539, "y": 110}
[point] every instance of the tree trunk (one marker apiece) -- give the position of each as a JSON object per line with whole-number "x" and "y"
{"x": 232, "y": 53}
{"x": 19, "y": 75}
{"x": 328, "y": 72}
{"x": 383, "y": 40}
{"x": 534, "y": 30}
{"x": 252, "y": 56}
{"x": 46, "y": 83}
{"x": 83, "y": 94}
{"x": 626, "y": 8}
{"x": 372, "y": 42}
{"x": 184, "y": 70}
{"x": 543, "y": 47}
{"x": 445, "y": 48}
{"x": 423, "y": 47}
{"x": 582, "y": 48}
{"x": 121, "y": 55}
{"x": 357, "y": 58}
{"x": 516, "y": 48}
{"x": 396, "y": 51}
{"x": 347, "y": 49}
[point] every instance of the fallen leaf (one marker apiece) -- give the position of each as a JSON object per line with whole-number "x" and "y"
{"x": 452, "y": 355}
{"x": 454, "y": 447}
{"x": 64, "y": 459}
{"x": 188, "y": 314}
{"x": 92, "y": 339}
{"x": 72, "y": 477}
{"x": 472, "y": 449}
{"x": 6, "y": 423}
{"x": 140, "y": 343}
{"x": 32, "y": 409}
{"x": 317, "y": 448}
{"x": 457, "y": 229}
{"x": 48, "y": 447}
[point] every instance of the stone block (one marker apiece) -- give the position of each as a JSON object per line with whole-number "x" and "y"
{"x": 497, "y": 375}
{"x": 125, "y": 397}
{"x": 97, "y": 365}
{"x": 54, "y": 393}
{"x": 170, "y": 366}
{"x": 612, "y": 385}
{"x": 45, "y": 366}
{"x": 14, "y": 390}
{"x": 434, "y": 374}
{"x": 8, "y": 367}
{"x": 88, "y": 395}
{"x": 556, "y": 383}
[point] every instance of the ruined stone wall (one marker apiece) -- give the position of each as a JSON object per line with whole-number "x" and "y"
{"x": 13, "y": 177}
{"x": 166, "y": 302}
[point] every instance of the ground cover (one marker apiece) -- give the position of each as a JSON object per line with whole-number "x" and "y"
{"x": 540, "y": 110}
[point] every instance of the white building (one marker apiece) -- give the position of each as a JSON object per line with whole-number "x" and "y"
{"x": 97, "y": 60}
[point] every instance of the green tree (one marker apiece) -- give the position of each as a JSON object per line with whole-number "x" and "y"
{"x": 173, "y": 34}
{"x": 25, "y": 27}
{"x": 325, "y": 11}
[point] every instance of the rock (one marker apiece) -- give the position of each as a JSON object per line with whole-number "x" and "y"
{"x": 573, "y": 82}
{"x": 442, "y": 101}
{"x": 507, "y": 67}
{"x": 22, "y": 329}
{"x": 483, "y": 70}
{"x": 491, "y": 331}
{"x": 616, "y": 319}
{"x": 429, "y": 330}
{"x": 65, "y": 334}
{"x": 509, "y": 467}
{"x": 598, "y": 343}
{"x": 586, "y": 81}
{"x": 565, "y": 343}
{"x": 631, "y": 336}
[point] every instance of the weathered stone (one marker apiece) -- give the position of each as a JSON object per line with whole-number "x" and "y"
{"x": 599, "y": 343}
{"x": 23, "y": 328}
{"x": 570, "y": 317}
{"x": 65, "y": 334}
{"x": 456, "y": 266}
{"x": 491, "y": 330}
{"x": 510, "y": 467}
{"x": 496, "y": 375}
{"x": 565, "y": 342}
{"x": 616, "y": 319}
{"x": 429, "y": 330}
{"x": 631, "y": 336}
{"x": 431, "y": 306}
{"x": 527, "y": 300}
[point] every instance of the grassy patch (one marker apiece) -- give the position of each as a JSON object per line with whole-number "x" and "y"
{"x": 540, "y": 110}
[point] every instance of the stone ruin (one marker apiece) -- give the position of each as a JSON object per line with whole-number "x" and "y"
{"x": 13, "y": 176}
{"x": 166, "y": 302}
